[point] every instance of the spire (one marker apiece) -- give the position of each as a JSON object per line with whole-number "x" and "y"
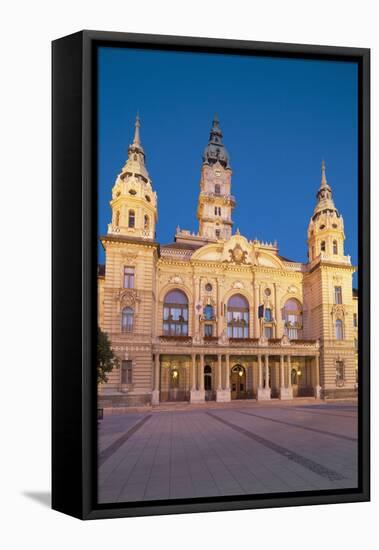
{"x": 324, "y": 183}
{"x": 137, "y": 141}
{"x": 215, "y": 150}
{"x": 324, "y": 195}
{"x": 135, "y": 163}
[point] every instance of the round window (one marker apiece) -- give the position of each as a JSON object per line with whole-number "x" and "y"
{"x": 208, "y": 287}
{"x": 268, "y": 292}
{"x": 147, "y": 198}
{"x": 132, "y": 192}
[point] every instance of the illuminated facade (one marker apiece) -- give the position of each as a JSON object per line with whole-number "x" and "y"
{"x": 214, "y": 315}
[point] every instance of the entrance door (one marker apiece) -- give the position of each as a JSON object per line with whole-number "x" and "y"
{"x": 208, "y": 383}
{"x": 238, "y": 382}
{"x": 295, "y": 382}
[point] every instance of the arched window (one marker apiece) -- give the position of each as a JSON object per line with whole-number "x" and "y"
{"x": 335, "y": 247}
{"x": 132, "y": 218}
{"x": 175, "y": 314}
{"x": 146, "y": 222}
{"x": 217, "y": 189}
{"x": 127, "y": 319}
{"x": 208, "y": 313}
{"x": 117, "y": 218}
{"x": 339, "y": 330}
{"x": 322, "y": 247}
{"x": 238, "y": 317}
{"x": 217, "y": 233}
{"x": 292, "y": 315}
{"x": 268, "y": 315}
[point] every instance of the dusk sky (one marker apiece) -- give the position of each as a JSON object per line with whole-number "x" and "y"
{"x": 279, "y": 118}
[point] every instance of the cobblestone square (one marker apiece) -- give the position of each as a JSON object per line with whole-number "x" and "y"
{"x": 169, "y": 454}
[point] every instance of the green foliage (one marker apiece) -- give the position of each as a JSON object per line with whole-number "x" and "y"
{"x": 106, "y": 359}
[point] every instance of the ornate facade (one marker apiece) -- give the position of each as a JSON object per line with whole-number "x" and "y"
{"x": 215, "y": 315}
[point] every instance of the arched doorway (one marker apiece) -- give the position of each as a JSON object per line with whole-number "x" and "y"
{"x": 208, "y": 383}
{"x": 238, "y": 382}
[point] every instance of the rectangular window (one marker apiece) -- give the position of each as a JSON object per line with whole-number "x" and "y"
{"x": 208, "y": 330}
{"x": 268, "y": 332}
{"x": 340, "y": 373}
{"x": 128, "y": 277}
{"x": 126, "y": 371}
{"x": 355, "y": 320}
{"x": 337, "y": 295}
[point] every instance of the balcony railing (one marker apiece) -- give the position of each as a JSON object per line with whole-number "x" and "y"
{"x": 175, "y": 339}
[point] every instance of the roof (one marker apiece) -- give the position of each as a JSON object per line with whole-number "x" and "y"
{"x": 182, "y": 246}
{"x": 286, "y": 259}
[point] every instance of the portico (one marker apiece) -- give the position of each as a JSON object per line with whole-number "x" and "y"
{"x": 200, "y": 375}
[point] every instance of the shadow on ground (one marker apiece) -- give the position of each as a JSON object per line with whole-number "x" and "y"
{"x": 42, "y": 497}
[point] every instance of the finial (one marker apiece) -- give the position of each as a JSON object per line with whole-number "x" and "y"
{"x": 136, "y": 140}
{"x": 323, "y": 174}
{"x": 215, "y": 118}
{"x": 238, "y": 231}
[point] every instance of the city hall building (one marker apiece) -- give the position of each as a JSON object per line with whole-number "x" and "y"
{"x": 215, "y": 315}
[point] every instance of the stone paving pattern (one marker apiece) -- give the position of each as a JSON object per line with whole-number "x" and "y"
{"x": 228, "y": 451}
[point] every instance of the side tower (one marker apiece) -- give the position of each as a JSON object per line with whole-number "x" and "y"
{"x": 325, "y": 231}
{"x": 216, "y": 203}
{"x": 128, "y": 289}
{"x": 328, "y": 296}
{"x": 134, "y": 203}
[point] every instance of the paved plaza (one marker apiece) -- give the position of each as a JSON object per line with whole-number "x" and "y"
{"x": 239, "y": 450}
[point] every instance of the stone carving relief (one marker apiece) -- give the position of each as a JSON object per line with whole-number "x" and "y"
{"x": 292, "y": 289}
{"x": 238, "y": 255}
{"x": 126, "y": 298}
{"x": 238, "y": 285}
{"x": 338, "y": 311}
{"x": 129, "y": 259}
{"x": 176, "y": 280}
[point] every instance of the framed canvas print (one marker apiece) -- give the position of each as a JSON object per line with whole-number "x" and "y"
{"x": 210, "y": 274}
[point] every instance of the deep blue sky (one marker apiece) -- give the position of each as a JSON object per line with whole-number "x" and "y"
{"x": 279, "y": 117}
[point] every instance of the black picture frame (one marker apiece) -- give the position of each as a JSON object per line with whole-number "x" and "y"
{"x": 74, "y": 173}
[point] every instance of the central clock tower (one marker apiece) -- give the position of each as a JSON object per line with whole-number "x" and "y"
{"x": 216, "y": 203}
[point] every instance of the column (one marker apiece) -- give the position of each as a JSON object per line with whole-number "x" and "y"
{"x": 219, "y": 381}
{"x": 201, "y": 373}
{"x": 263, "y": 393}
{"x": 256, "y": 304}
{"x": 267, "y": 384}
{"x": 284, "y": 392}
{"x": 193, "y": 384}
{"x": 227, "y": 373}
{"x": 157, "y": 370}
{"x": 223, "y": 394}
{"x": 282, "y": 384}
{"x": 289, "y": 388}
{"x": 197, "y": 395}
{"x": 317, "y": 389}
{"x": 278, "y": 316}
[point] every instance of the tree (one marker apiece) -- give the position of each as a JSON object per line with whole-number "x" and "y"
{"x": 106, "y": 359}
